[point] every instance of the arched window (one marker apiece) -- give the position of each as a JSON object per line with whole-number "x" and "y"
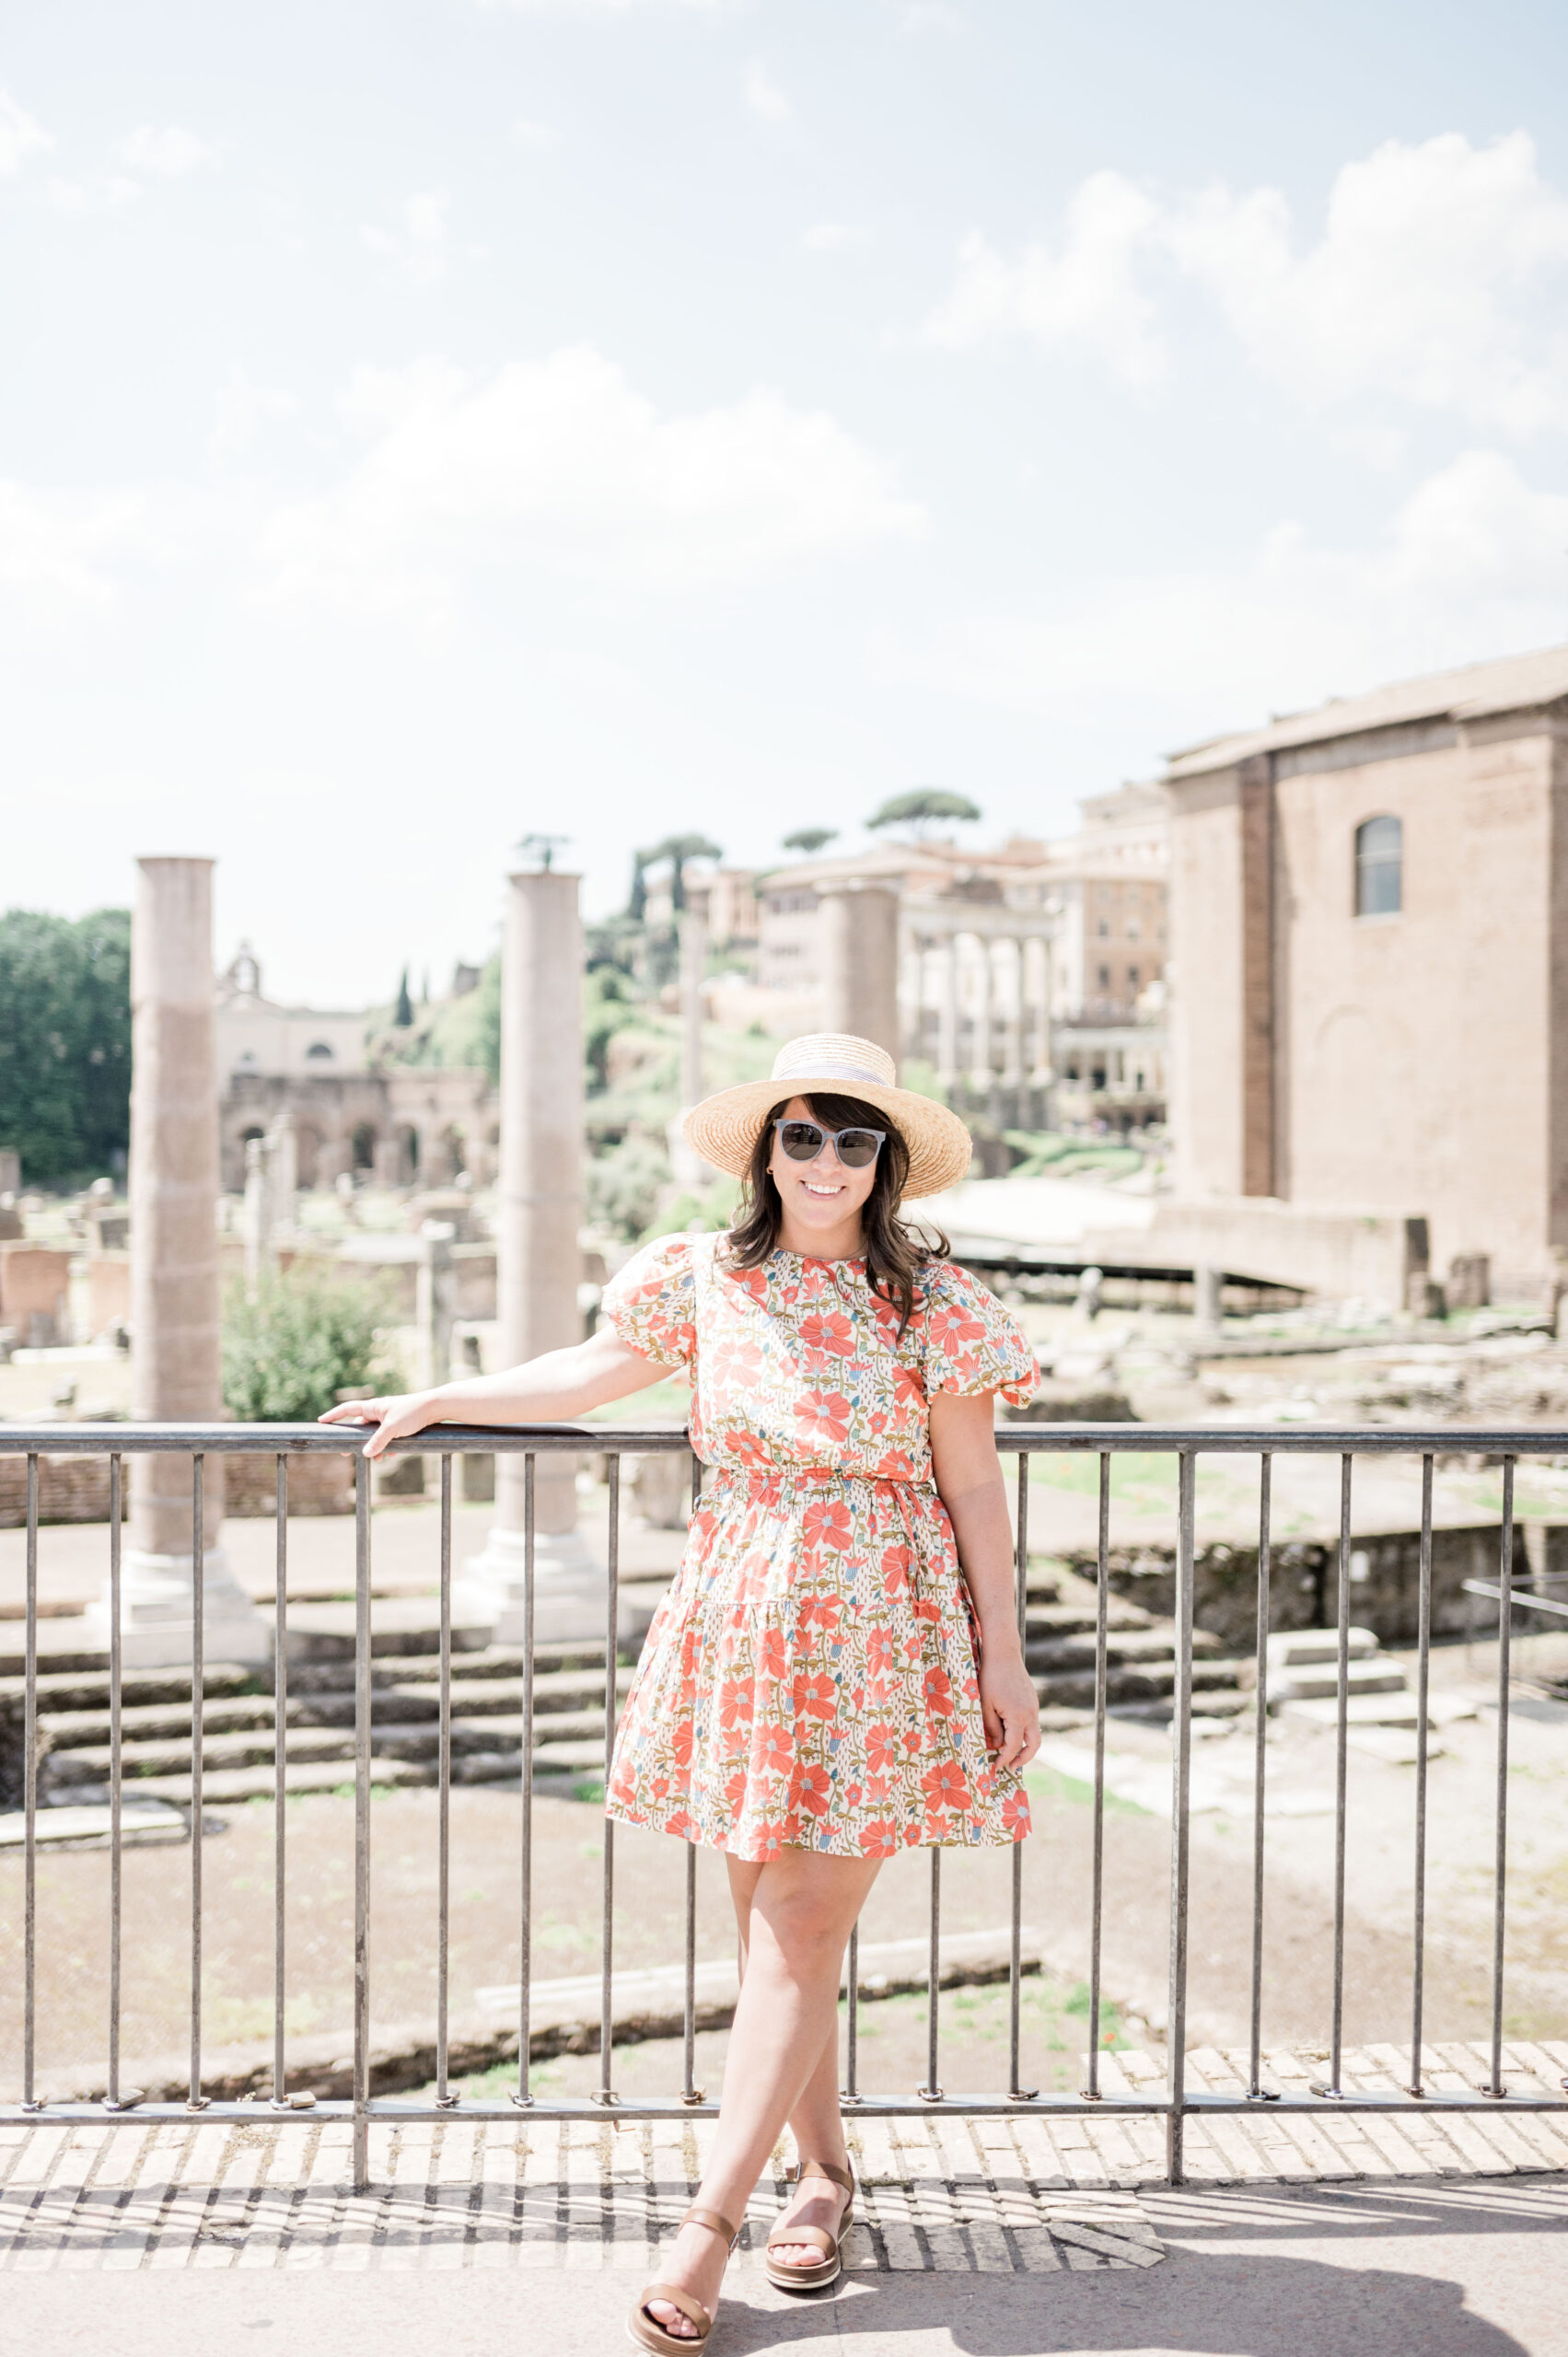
{"x": 1379, "y": 863}
{"x": 319, "y": 1053}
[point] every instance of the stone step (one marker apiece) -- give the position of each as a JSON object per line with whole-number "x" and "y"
{"x": 390, "y": 1703}
{"x": 394, "y": 1739}
{"x": 69, "y": 1689}
{"x": 1142, "y": 1682}
{"x": 1379, "y": 1676}
{"x": 1382, "y": 1710}
{"x": 1300, "y": 1648}
{"x": 1132, "y": 1647}
{"x": 1049, "y": 1620}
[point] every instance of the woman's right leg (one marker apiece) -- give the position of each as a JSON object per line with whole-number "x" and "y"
{"x": 800, "y": 1910}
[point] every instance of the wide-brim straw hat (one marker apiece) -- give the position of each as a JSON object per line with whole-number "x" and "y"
{"x": 723, "y": 1129}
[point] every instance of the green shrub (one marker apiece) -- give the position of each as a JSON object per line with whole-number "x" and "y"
{"x": 307, "y": 1337}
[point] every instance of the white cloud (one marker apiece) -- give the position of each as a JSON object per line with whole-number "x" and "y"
{"x": 1438, "y": 281}
{"x": 561, "y": 463}
{"x": 831, "y": 236}
{"x": 419, "y": 249}
{"x": 1474, "y": 564}
{"x": 91, "y": 196}
{"x": 244, "y": 411}
{"x": 20, "y": 138}
{"x": 169, "y": 154}
{"x": 601, "y": 7}
{"x": 763, "y": 95}
{"x": 61, "y": 542}
{"x": 527, "y": 132}
{"x": 1084, "y": 294}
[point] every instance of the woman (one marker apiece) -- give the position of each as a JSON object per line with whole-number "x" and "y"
{"x": 822, "y": 1686}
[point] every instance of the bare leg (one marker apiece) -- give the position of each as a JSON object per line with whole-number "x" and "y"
{"x": 798, "y": 1913}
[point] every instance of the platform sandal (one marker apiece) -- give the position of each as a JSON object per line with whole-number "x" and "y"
{"x": 829, "y": 2267}
{"x": 645, "y": 2331}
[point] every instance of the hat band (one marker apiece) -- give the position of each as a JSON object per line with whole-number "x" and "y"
{"x": 810, "y": 1070}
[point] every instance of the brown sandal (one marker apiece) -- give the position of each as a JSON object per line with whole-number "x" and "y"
{"x": 646, "y": 2332}
{"x": 829, "y": 2267}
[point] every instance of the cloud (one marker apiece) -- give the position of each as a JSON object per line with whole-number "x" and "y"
{"x": 562, "y": 463}
{"x": 20, "y": 138}
{"x": 169, "y": 154}
{"x": 1475, "y": 563}
{"x": 1081, "y": 294}
{"x": 763, "y": 95}
{"x": 527, "y": 132}
{"x": 1438, "y": 281}
{"x": 603, "y": 7}
{"x": 244, "y": 411}
{"x": 91, "y": 196}
{"x": 419, "y": 249}
{"x": 831, "y": 236}
{"x": 60, "y": 543}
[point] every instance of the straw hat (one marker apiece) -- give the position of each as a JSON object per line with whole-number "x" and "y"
{"x": 723, "y": 1129}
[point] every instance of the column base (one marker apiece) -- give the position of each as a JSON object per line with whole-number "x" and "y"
{"x": 571, "y": 1588}
{"x": 156, "y": 1594}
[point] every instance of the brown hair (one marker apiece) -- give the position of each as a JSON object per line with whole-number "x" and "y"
{"x": 895, "y": 1254}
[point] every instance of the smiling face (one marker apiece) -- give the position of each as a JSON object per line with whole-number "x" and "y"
{"x": 821, "y": 1200}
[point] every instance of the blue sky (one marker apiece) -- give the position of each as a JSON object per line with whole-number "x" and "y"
{"x": 426, "y": 423}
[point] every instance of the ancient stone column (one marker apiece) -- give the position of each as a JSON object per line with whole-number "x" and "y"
{"x": 948, "y": 1016}
{"x": 859, "y": 936}
{"x": 175, "y": 1374}
{"x": 539, "y": 1211}
{"x": 981, "y": 1073}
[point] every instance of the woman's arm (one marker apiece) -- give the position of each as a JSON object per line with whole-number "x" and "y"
{"x": 969, "y": 1483}
{"x": 548, "y": 1390}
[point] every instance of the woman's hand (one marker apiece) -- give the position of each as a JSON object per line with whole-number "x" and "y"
{"x": 1009, "y": 1706}
{"x": 395, "y": 1416}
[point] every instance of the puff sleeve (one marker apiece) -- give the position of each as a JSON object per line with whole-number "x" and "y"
{"x": 652, "y": 1304}
{"x": 972, "y": 1343}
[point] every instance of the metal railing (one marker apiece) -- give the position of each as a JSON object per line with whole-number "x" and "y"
{"x": 1177, "y": 2103}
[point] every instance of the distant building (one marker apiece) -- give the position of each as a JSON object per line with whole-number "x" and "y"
{"x": 1369, "y": 920}
{"x": 353, "y": 1110}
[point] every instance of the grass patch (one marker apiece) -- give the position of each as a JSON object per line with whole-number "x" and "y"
{"x": 1072, "y": 1792}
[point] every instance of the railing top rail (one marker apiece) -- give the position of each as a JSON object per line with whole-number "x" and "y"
{"x": 1232, "y": 1440}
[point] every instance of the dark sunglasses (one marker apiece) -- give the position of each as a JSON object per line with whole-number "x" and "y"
{"x": 804, "y": 1141}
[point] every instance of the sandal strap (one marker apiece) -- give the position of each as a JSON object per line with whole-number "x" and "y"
{"x": 692, "y": 2310}
{"x": 826, "y": 2243}
{"x": 714, "y": 2220}
{"x": 829, "y": 2169}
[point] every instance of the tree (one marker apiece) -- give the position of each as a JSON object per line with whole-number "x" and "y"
{"x": 637, "y": 901}
{"x": 927, "y": 806}
{"x": 810, "y": 838}
{"x": 306, "y": 1338}
{"x": 402, "y": 1014}
{"x": 65, "y": 1041}
{"x": 677, "y": 850}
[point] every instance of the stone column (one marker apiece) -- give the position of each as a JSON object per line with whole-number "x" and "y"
{"x": 948, "y": 1016}
{"x": 259, "y": 1254}
{"x": 539, "y": 1211}
{"x": 859, "y": 935}
{"x": 175, "y": 1373}
{"x": 981, "y": 1073}
{"x": 1013, "y": 1074}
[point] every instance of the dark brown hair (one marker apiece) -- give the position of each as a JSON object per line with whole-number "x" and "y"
{"x": 895, "y": 1254}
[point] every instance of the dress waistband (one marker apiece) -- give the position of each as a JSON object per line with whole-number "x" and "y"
{"x": 758, "y": 1479}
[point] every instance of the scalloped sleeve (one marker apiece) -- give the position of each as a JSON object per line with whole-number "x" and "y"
{"x": 972, "y": 1343}
{"x": 652, "y": 1302}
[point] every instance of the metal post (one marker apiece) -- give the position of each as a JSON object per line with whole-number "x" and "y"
{"x": 116, "y": 1773}
{"x": 691, "y": 2092}
{"x": 198, "y": 1736}
{"x": 1096, "y": 1872}
{"x": 607, "y": 1933}
{"x": 29, "y": 1799}
{"x": 1499, "y": 1903}
{"x": 1260, "y": 1771}
{"x": 280, "y": 1777}
{"x": 932, "y": 2091}
{"x": 1423, "y": 1665}
{"x": 1342, "y": 1761}
{"x": 443, "y": 1793}
{"x": 360, "y": 1821}
{"x": 523, "y": 2096}
{"x": 851, "y": 2021}
{"x": 1181, "y": 1773}
{"x": 1015, "y": 1922}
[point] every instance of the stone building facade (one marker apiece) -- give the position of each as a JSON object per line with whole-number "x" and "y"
{"x": 1369, "y": 919}
{"x": 352, "y": 1109}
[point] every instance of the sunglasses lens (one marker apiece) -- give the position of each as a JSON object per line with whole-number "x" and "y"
{"x": 857, "y": 1147}
{"x": 802, "y": 1140}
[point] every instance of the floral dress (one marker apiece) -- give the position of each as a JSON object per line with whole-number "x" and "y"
{"x": 809, "y": 1680}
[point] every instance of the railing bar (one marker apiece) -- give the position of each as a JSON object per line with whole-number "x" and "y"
{"x": 1341, "y": 1769}
{"x": 851, "y": 2021}
{"x": 361, "y": 2154}
{"x": 1181, "y": 1779}
{"x": 525, "y": 1927}
{"x": 116, "y": 1770}
{"x": 1423, "y": 1665}
{"x": 444, "y": 1789}
{"x": 1103, "y": 1689}
{"x": 606, "y": 1932}
{"x": 931, "y": 2090}
{"x": 688, "y": 2017}
{"x": 1259, "y": 1764}
{"x": 279, "y": 1778}
{"x": 1015, "y": 1912}
{"x": 30, "y": 1797}
{"x": 1499, "y": 1904}
{"x": 198, "y": 1738}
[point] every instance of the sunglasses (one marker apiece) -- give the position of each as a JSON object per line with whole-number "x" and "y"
{"x": 804, "y": 1141}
